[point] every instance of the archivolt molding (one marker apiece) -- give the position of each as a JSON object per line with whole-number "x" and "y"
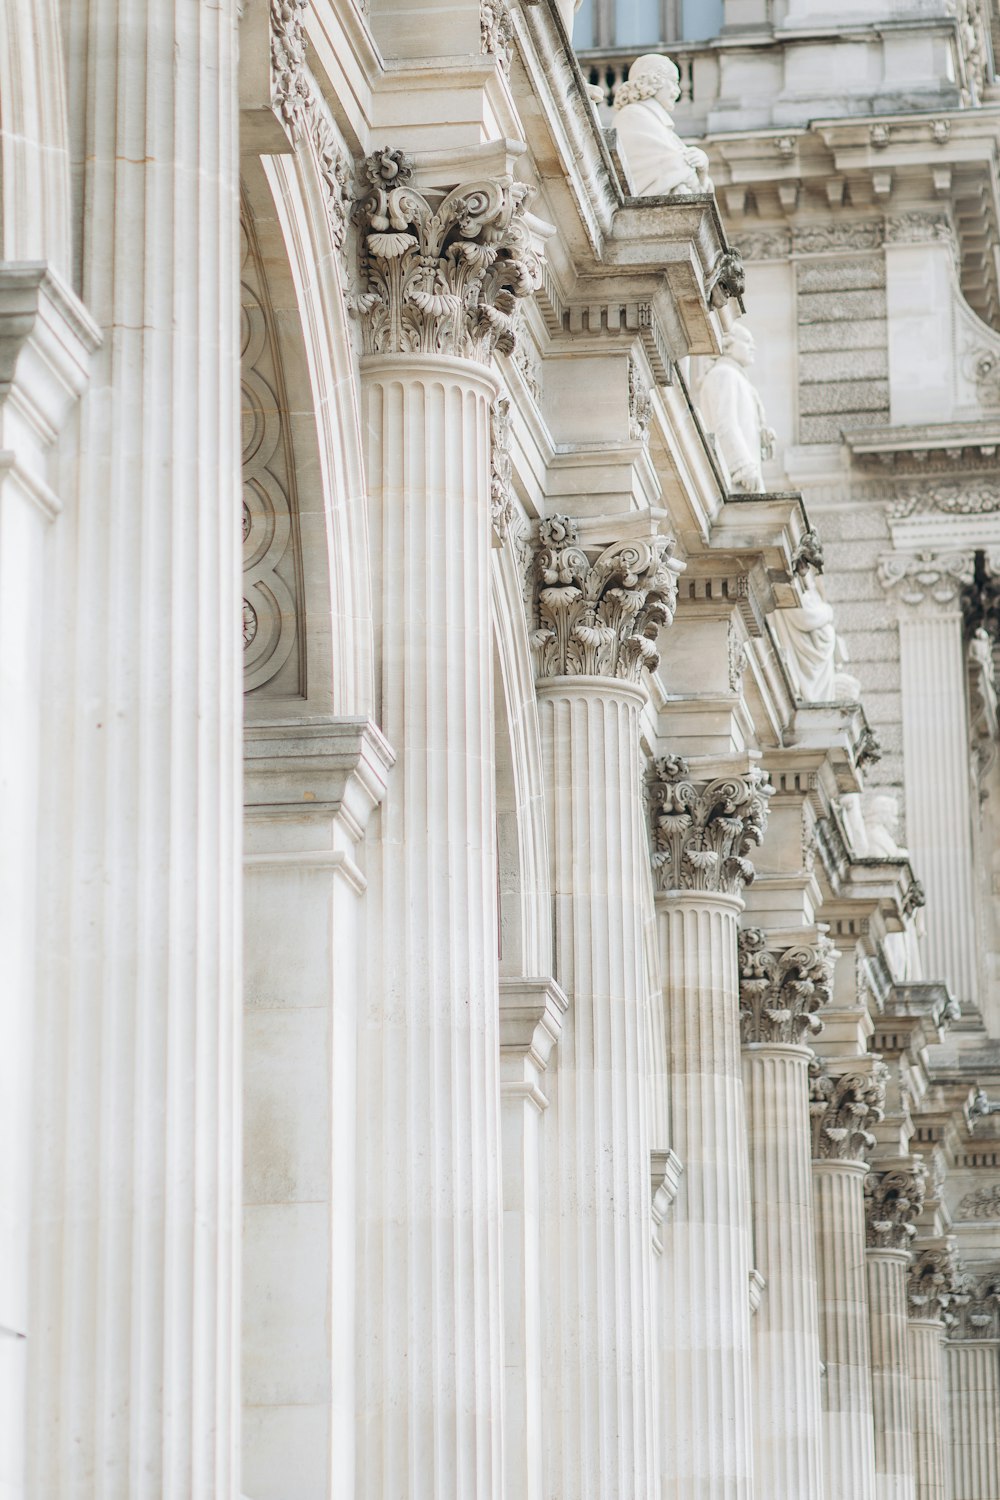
{"x": 893, "y": 1202}
{"x": 703, "y": 831}
{"x": 270, "y": 543}
{"x": 601, "y": 616}
{"x": 782, "y": 989}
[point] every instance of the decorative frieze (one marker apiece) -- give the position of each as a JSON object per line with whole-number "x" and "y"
{"x": 981, "y": 1203}
{"x": 334, "y": 168}
{"x": 441, "y": 273}
{"x": 289, "y": 81}
{"x": 893, "y": 1202}
{"x": 915, "y": 577}
{"x": 497, "y": 32}
{"x": 842, "y": 1110}
{"x": 782, "y": 989}
{"x": 703, "y": 831}
{"x": 640, "y": 404}
{"x": 501, "y": 502}
{"x": 600, "y": 617}
{"x": 933, "y": 1282}
{"x": 951, "y": 497}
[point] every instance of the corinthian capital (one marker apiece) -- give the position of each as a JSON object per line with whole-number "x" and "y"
{"x": 920, "y": 577}
{"x": 893, "y": 1201}
{"x": 441, "y": 273}
{"x": 976, "y": 1307}
{"x": 781, "y": 989}
{"x": 702, "y": 831}
{"x": 842, "y": 1108}
{"x": 600, "y": 617}
{"x": 933, "y": 1282}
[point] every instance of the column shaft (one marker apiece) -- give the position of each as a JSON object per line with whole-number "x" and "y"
{"x": 600, "y": 1418}
{"x": 974, "y": 1391}
{"x": 890, "y": 1374}
{"x": 429, "y": 1341}
{"x": 927, "y": 1412}
{"x": 843, "y": 1324}
{"x": 135, "y": 1277}
{"x": 938, "y": 811}
{"x": 705, "y": 1350}
{"x": 786, "y": 1359}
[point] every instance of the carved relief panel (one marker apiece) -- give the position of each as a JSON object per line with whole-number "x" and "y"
{"x": 272, "y": 661}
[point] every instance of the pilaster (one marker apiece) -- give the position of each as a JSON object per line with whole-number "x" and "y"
{"x": 598, "y": 613}
{"x": 783, "y": 985}
{"x": 444, "y": 260}
{"x": 932, "y": 1283}
{"x": 972, "y": 1356}
{"x": 845, "y": 1102}
{"x": 706, "y": 817}
{"x": 133, "y": 1372}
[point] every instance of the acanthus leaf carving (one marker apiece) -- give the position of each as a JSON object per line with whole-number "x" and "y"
{"x": 702, "y": 832}
{"x": 640, "y": 403}
{"x": 496, "y": 32}
{"x": 334, "y": 169}
{"x": 782, "y": 989}
{"x": 601, "y": 617}
{"x": 289, "y": 81}
{"x": 894, "y": 1200}
{"x": 501, "y": 501}
{"x": 442, "y": 273}
{"x": 933, "y": 1282}
{"x": 975, "y": 1307}
{"x": 842, "y": 1108}
{"x": 981, "y": 1203}
{"x": 980, "y": 498}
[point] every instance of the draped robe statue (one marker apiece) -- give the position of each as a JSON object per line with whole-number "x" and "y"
{"x": 660, "y": 165}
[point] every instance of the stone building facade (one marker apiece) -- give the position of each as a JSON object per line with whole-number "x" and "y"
{"x": 497, "y": 765}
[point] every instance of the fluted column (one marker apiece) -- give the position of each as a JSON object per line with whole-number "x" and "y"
{"x": 973, "y": 1381}
{"x": 598, "y": 610}
{"x": 842, "y": 1109}
{"x": 781, "y": 991}
{"x": 133, "y": 1381}
{"x": 931, "y": 1286}
{"x": 936, "y": 750}
{"x": 441, "y": 270}
{"x": 893, "y": 1200}
{"x": 702, "y": 831}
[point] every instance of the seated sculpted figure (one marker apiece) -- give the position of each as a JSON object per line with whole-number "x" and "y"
{"x": 734, "y": 413}
{"x": 659, "y": 163}
{"x": 810, "y": 641}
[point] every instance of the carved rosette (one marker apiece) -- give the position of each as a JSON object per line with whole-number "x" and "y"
{"x": 933, "y": 1282}
{"x": 600, "y": 617}
{"x": 442, "y": 273}
{"x": 975, "y": 1307}
{"x": 842, "y": 1109}
{"x": 781, "y": 990}
{"x": 703, "y": 831}
{"x": 893, "y": 1202}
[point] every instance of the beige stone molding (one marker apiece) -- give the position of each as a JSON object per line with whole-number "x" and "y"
{"x": 917, "y": 578}
{"x": 599, "y": 616}
{"x": 933, "y": 1282}
{"x": 702, "y": 831}
{"x": 442, "y": 272}
{"x": 843, "y": 1108}
{"x": 501, "y": 496}
{"x": 893, "y": 1202}
{"x": 782, "y": 989}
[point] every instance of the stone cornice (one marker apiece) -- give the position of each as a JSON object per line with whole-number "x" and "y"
{"x": 703, "y": 830}
{"x": 844, "y": 1106}
{"x": 600, "y": 615}
{"x": 335, "y": 767}
{"x": 442, "y": 270}
{"x": 782, "y": 988}
{"x": 894, "y": 1198}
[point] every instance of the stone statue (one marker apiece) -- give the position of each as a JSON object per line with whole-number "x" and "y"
{"x": 734, "y": 413}
{"x": 810, "y": 641}
{"x": 881, "y": 811}
{"x": 660, "y": 165}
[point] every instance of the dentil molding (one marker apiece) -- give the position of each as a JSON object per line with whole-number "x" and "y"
{"x": 600, "y": 616}
{"x": 703, "y": 831}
